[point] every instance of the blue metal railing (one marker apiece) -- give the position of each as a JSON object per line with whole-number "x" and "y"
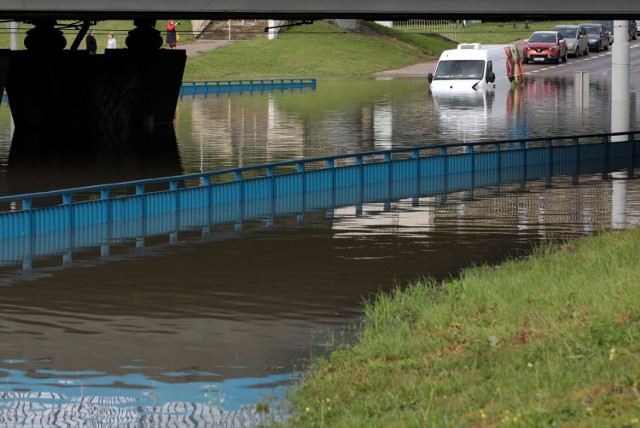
{"x": 197, "y": 87}
{"x": 202, "y": 87}
{"x": 46, "y": 223}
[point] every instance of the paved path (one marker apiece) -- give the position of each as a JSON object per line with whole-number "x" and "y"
{"x": 413, "y": 70}
{"x": 200, "y": 45}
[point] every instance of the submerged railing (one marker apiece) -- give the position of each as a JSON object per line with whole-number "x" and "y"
{"x": 59, "y": 222}
{"x": 197, "y": 87}
{"x": 202, "y": 87}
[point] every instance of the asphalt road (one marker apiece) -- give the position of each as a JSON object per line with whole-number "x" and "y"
{"x": 598, "y": 64}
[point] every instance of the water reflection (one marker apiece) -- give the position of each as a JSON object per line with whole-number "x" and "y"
{"x": 339, "y": 116}
{"x": 39, "y": 161}
{"x": 241, "y": 310}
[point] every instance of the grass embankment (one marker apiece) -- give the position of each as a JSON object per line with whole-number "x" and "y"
{"x": 553, "y": 340}
{"x": 323, "y": 50}
{"x": 317, "y": 50}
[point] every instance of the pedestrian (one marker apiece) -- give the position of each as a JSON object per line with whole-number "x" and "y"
{"x": 172, "y": 36}
{"x": 92, "y": 46}
{"x": 111, "y": 41}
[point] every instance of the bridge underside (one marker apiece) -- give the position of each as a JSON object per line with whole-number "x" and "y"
{"x": 307, "y": 9}
{"x": 70, "y": 100}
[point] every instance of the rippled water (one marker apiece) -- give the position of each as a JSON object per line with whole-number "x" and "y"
{"x": 206, "y": 325}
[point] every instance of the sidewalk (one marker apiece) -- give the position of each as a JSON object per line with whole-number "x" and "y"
{"x": 417, "y": 70}
{"x": 201, "y": 45}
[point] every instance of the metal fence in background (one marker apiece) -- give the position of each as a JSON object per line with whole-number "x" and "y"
{"x": 451, "y": 30}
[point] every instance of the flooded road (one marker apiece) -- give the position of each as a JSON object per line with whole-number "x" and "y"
{"x": 207, "y": 325}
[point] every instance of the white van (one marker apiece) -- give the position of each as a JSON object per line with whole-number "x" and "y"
{"x": 477, "y": 67}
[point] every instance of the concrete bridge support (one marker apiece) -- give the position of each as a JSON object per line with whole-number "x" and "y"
{"x": 53, "y": 91}
{"x": 620, "y": 79}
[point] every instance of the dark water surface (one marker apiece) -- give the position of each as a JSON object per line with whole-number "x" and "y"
{"x": 192, "y": 330}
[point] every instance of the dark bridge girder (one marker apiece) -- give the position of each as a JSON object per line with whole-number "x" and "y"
{"x": 21, "y": 10}
{"x": 288, "y": 16}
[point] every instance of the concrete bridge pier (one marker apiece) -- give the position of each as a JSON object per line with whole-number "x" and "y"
{"x": 69, "y": 92}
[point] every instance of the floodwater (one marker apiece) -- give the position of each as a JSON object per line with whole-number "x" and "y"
{"x": 195, "y": 330}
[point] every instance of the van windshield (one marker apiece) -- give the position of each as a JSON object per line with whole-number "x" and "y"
{"x": 460, "y": 69}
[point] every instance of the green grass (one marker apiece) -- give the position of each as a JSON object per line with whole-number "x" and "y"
{"x": 317, "y": 50}
{"x": 549, "y": 341}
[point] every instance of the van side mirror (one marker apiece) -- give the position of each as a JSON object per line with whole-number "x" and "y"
{"x": 430, "y": 77}
{"x": 491, "y": 77}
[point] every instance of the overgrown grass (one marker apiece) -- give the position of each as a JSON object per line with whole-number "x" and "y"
{"x": 549, "y": 341}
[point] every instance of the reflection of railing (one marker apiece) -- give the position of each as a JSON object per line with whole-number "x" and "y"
{"x": 59, "y": 222}
{"x": 199, "y": 87}
{"x": 253, "y": 85}
{"x": 49, "y": 409}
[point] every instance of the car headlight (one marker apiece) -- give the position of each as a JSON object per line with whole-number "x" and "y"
{"x": 593, "y": 40}
{"x": 553, "y": 48}
{"x": 571, "y": 46}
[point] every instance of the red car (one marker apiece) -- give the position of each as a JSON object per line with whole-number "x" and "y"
{"x": 545, "y": 46}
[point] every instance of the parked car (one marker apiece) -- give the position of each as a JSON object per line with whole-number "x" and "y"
{"x": 633, "y": 29}
{"x": 545, "y": 46}
{"x": 576, "y": 37}
{"x": 598, "y": 36}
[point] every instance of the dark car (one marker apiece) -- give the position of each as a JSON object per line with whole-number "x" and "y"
{"x": 598, "y": 36}
{"x": 633, "y": 29}
{"x": 576, "y": 37}
{"x": 545, "y": 46}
